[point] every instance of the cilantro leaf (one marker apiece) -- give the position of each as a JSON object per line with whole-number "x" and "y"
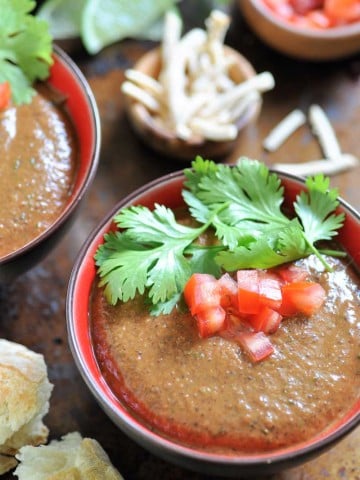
{"x": 240, "y": 206}
{"x": 202, "y": 259}
{"x": 247, "y": 197}
{"x": 278, "y": 246}
{"x": 25, "y": 48}
{"x": 315, "y": 209}
{"x": 149, "y": 254}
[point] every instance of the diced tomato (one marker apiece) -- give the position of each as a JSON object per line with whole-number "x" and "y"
{"x": 269, "y": 290}
{"x": 233, "y": 325}
{"x": 201, "y": 293}
{"x": 291, "y": 273}
{"x": 248, "y": 291}
{"x": 302, "y": 7}
{"x": 210, "y": 321}
{"x": 252, "y": 306}
{"x": 343, "y": 10}
{"x": 287, "y": 307}
{"x": 303, "y": 297}
{"x": 267, "y": 320}
{"x": 280, "y": 7}
{"x": 228, "y": 291}
{"x": 256, "y": 344}
{"x": 256, "y": 289}
{"x": 319, "y": 19}
{"x": 316, "y": 14}
{"x": 5, "y": 95}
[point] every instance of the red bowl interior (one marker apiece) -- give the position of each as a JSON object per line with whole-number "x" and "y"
{"x": 167, "y": 190}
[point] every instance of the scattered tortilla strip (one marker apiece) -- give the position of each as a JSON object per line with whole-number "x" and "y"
{"x": 145, "y": 81}
{"x": 240, "y": 108}
{"x": 334, "y": 162}
{"x": 171, "y": 35}
{"x": 260, "y": 83}
{"x": 213, "y": 131}
{"x": 325, "y": 166}
{"x": 323, "y": 129}
{"x": 284, "y": 129}
{"x": 217, "y": 25}
{"x": 141, "y": 95}
{"x": 173, "y": 75}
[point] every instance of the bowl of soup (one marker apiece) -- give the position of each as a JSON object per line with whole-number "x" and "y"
{"x": 323, "y": 30}
{"x": 199, "y": 401}
{"x": 50, "y": 150}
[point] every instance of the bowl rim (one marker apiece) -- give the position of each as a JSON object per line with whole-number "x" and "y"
{"x": 334, "y": 33}
{"x": 123, "y": 418}
{"x": 64, "y": 59}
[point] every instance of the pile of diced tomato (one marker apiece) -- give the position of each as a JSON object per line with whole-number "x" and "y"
{"x": 316, "y": 13}
{"x": 250, "y": 306}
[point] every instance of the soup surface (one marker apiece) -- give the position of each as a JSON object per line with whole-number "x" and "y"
{"x": 207, "y": 393}
{"x": 38, "y": 165}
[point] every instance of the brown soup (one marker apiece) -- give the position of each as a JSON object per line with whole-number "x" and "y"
{"x": 38, "y": 165}
{"x": 206, "y": 392}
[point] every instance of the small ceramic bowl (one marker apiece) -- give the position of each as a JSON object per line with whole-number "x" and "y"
{"x": 167, "y": 190}
{"x": 165, "y": 141}
{"x": 67, "y": 79}
{"x": 302, "y": 43}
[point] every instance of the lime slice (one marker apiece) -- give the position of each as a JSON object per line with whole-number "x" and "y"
{"x": 63, "y": 17}
{"x": 108, "y": 21}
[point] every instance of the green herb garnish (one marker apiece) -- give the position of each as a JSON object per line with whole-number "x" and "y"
{"x": 25, "y": 48}
{"x": 155, "y": 255}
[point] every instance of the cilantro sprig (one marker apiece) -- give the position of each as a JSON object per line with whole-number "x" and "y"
{"x": 154, "y": 255}
{"x": 25, "y": 48}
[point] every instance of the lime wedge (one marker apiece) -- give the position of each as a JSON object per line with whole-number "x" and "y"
{"x": 63, "y": 17}
{"x": 108, "y": 21}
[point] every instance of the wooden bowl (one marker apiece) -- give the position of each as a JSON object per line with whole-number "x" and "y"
{"x": 303, "y": 43}
{"x": 165, "y": 141}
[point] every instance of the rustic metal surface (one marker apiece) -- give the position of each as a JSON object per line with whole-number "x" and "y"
{"x": 32, "y": 309}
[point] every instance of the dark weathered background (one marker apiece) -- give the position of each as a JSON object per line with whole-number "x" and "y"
{"x": 32, "y": 309}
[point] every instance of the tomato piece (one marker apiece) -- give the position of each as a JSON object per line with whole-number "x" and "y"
{"x": 319, "y": 19}
{"x": 270, "y": 290}
{"x": 304, "y": 297}
{"x": 201, "y": 292}
{"x": 280, "y": 8}
{"x": 287, "y": 307}
{"x": 291, "y": 273}
{"x": 234, "y": 324}
{"x": 228, "y": 290}
{"x": 256, "y": 289}
{"x": 255, "y": 344}
{"x": 343, "y": 10}
{"x": 210, "y": 321}
{"x": 248, "y": 291}
{"x": 267, "y": 320}
{"x": 5, "y": 95}
{"x": 302, "y": 7}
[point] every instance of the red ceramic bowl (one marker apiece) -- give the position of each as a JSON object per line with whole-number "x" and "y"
{"x": 167, "y": 190}
{"x": 80, "y": 104}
